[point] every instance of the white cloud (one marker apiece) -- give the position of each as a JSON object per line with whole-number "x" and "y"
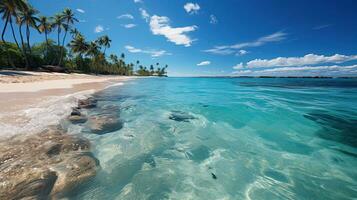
{"x": 160, "y": 25}
{"x": 242, "y": 52}
{"x": 191, "y": 8}
{"x": 213, "y": 19}
{"x": 98, "y": 29}
{"x": 230, "y": 49}
{"x": 333, "y": 70}
{"x": 203, "y": 63}
{"x": 153, "y": 53}
{"x": 138, "y": 1}
{"x": 125, "y": 16}
{"x": 309, "y": 59}
{"x": 238, "y": 66}
{"x": 129, "y": 25}
{"x": 80, "y": 10}
{"x": 144, "y": 14}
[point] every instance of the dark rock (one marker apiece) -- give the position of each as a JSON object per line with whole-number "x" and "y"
{"x": 44, "y": 165}
{"x": 213, "y": 176}
{"x": 38, "y": 188}
{"x": 54, "y": 149}
{"x": 75, "y": 111}
{"x": 101, "y": 124}
{"x": 77, "y": 119}
{"x": 181, "y": 116}
{"x": 87, "y": 103}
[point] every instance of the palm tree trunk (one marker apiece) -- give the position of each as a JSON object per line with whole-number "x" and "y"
{"x": 13, "y": 33}
{"x": 46, "y": 56}
{"x": 62, "y": 49}
{"x": 28, "y": 45}
{"x": 23, "y": 46}
{"x": 58, "y": 36}
{"x": 58, "y": 42}
{"x": 4, "y": 29}
{"x": 2, "y": 37}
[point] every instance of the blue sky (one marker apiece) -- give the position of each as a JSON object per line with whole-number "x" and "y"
{"x": 226, "y": 37}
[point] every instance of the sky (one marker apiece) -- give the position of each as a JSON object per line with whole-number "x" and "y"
{"x": 222, "y": 38}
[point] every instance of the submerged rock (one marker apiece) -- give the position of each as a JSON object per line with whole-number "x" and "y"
{"x": 77, "y": 119}
{"x": 75, "y": 111}
{"x": 213, "y": 175}
{"x": 87, "y": 103}
{"x": 181, "y": 116}
{"x": 44, "y": 165}
{"x": 101, "y": 124}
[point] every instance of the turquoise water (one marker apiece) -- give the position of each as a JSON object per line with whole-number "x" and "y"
{"x": 227, "y": 138}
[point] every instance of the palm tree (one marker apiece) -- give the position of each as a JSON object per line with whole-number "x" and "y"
{"x": 152, "y": 70}
{"x": 74, "y": 32}
{"x": 105, "y": 42}
{"x": 113, "y": 58}
{"x": 68, "y": 18}
{"x": 45, "y": 27}
{"x": 58, "y": 23}
{"x": 28, "y": 17}
{"x": 93, "y": 51}
{"x": 9, "y": 9}
{"x": 79, "y": 45}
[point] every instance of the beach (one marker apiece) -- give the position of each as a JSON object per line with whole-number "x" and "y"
{"x": 30, "y": 90}
{"x": 32, "y": 105}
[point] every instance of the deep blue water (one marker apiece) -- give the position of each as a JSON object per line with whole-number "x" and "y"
{"x": 227, "y": 138}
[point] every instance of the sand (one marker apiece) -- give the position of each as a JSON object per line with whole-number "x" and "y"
{"x": 25, "y": 95}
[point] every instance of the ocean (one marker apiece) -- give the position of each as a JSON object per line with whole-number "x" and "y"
{"x": 226, "y": 138}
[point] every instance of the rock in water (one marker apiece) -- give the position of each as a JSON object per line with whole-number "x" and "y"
{"x": 44, "y": 165}
{"x": 77, "y": 119}
{"x": 75, "y": 111}
{"x": 87, "y": 103}
{"x": 181, "y": 116}
{"x": 214, "y": 176}
{"x": 101, "y": 124}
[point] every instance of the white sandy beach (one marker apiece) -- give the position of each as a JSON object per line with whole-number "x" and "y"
{"x": 30, "y": 101}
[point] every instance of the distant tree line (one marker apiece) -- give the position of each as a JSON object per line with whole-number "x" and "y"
{"x": 79, "y": 55}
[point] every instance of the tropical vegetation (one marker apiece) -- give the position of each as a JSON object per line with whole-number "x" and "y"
{"x": 78, "y": 55}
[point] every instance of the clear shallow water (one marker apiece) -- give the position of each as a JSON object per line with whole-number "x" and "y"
{"x": 261, "y": 138}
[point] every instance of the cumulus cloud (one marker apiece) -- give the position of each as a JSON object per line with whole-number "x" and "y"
{"x": 230, "y": 49}
{"x": 213, "y": 19}
{"x": 152, "y": 53}
{"x": 242, "y": 52}
{"x": 125, "y": 16}
{"x": 309, "y": 59}
{"x": 191, "y": 8}
{"x": 98, "y": 29}
{"x": 144, "y": 14}
{"x": 333, "y": 70}
{"x": 203, "y": 63}
{"x": 238, "y": 66}
{"x": 80, "y": 10}
{"x": 160, "y": 25}
{"x": 129, "y": 25}
{"x": 138, "y": 1}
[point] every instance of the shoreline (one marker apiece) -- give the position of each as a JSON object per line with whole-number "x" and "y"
{"x": 38, "y": 157}
{"x": 25, "y": 101}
